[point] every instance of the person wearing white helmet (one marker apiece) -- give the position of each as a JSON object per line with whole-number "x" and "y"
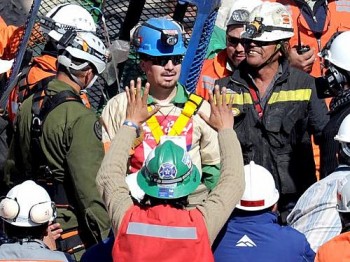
{"x": 27, "y": 211}
{"x": 277, "y": 106}
{"x": 338, "y": 248}
{"x": 228, "y": 59}
{"x": 58, "y": 142}
{"x": 334, "y": 84}
{"x": 41, "y": 69}
{"x": 315, "y": 214}
{"x": 252, "y": 232}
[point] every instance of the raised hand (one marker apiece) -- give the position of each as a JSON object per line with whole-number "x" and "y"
{"x": 221, "y": 116}
{"x": 137, "y": 111}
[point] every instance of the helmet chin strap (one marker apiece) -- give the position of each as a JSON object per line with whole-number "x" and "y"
{"x": 76, "y": 80}
{"x": 80, "y": 83}
{"x": 93, "y": 80}
{"x": 277, "y": 48}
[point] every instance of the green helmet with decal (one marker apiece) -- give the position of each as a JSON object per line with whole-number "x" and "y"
{"x": 168, "y": 172}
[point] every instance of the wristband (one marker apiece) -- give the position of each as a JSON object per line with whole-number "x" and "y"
{"x": 132, "y": 124}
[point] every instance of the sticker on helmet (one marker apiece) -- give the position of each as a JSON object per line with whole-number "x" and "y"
{"x": 187, "y": 160}
{"x": 98, "y": 129}
{"x": 165, "y": 192}
{"x": 240, "y": 15}
{"x": 167, "y": 171}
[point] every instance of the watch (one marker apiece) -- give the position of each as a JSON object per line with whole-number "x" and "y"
{"x": 132, "y": 124}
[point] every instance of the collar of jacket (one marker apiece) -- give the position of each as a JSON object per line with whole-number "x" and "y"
{"x": 56, "y": 86}
{"x": 258, "y": 218}
{"x": 303, "y": 5}
{"x": 180, "y": 98}
{"x": 240, "y": 76}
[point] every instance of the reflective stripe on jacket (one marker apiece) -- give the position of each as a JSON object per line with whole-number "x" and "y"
{"x": 280, "y": 139}
{"x": 212, "y": 70}
{"x": 162, "y": 233}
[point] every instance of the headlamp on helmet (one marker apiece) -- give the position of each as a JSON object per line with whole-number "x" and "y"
{"x": 49, "y": 24}
{"x": 254, "y": 28}
{"x": 269, "y": 22}
{"x": 168, "y": 37}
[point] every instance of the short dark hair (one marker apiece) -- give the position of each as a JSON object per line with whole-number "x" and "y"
{"x": 16, "y": 232}
{"x": 179, "y": 203}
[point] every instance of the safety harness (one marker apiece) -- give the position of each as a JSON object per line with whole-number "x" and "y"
{"x": 191, "y": 107}
{"x": 42, "y": 105}
{"x": 24, "y": 88}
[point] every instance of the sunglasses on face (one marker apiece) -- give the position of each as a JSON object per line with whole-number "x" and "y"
{"x": 163, "y": 60}
{"x": 258, "y": 43}
{"x": 234, "y": 41}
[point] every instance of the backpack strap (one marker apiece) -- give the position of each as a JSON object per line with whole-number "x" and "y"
{"x": 41, "y": 107}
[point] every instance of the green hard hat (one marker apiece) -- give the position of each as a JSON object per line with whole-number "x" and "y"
{"x": 168, "y": 172}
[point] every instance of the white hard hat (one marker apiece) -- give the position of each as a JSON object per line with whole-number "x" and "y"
{"x": 67, "y": 16}
{"x": 5, "y": 65}
{"x": 269, "y": 22}
{"x": 27, "y": 205}
{"x": 87, "y": 47}
{"x": 338, "y": 53}
{"x": 343, "y": 194}
{"x": 260, "y": 190}
{"x": 240, "y": 10}
{"x": 343, "y": 135}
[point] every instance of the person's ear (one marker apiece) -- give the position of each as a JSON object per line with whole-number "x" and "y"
{"x": 88, "y": 75}
{"x": 143, "y": 65}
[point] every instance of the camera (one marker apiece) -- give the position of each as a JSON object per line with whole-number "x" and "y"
{"x": 322, "y": 88}
{"x": 332, "y": 83}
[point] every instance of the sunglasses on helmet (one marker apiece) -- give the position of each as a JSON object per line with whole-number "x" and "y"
{"x": 163, "y": 60}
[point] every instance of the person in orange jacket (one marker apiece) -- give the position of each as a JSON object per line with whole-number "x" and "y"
{"x": 43, "y": 68}
{"x": 6, "y": 60}
{"x": 229, "y": 58}
{"x": 338, "y": 248}
{"x": 314, "y": 24}
{"x": 8, "y": 33}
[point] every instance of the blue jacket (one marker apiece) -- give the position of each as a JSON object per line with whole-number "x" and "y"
{"x": 260, "y": 238}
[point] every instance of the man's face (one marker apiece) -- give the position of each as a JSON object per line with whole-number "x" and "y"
{"x": 162, "y": 71}
{"x": 258, "y": 53}
{"x": 235, "y": 49}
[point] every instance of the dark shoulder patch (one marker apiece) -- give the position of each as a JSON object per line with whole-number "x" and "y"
{"x": 98, "y": 129}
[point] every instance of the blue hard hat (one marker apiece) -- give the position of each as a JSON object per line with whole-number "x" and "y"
{"x": 159, "y": 37}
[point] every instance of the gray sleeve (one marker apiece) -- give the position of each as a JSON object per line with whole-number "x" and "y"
{"x": 111, "y": 176}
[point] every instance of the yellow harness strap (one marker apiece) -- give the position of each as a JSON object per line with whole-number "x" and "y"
{"x": 190, "y": 108}
{"x": 155, "y": 127}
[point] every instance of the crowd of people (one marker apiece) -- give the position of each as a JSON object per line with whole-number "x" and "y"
{"x": 231, "y": 172}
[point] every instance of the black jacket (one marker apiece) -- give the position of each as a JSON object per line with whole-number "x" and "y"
{"x": 280, "y": 139}
{"x": 328, "y": 159}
